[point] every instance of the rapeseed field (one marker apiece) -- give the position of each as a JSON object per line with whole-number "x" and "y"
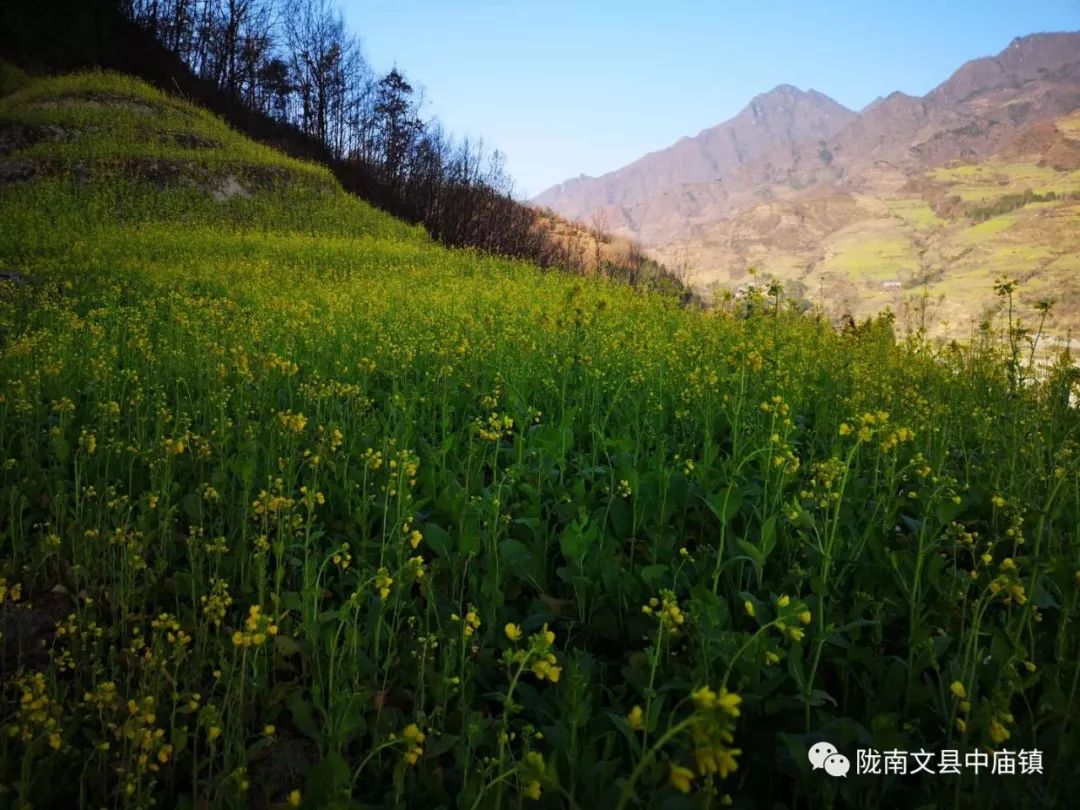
{"x": 299, "y": 509}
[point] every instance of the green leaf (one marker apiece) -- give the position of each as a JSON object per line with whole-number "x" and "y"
{"x": 725, "y": 504}
{"x": 768, "y": 536}
{"x": 324, "y": 779}
{"x": 437, "y": 539}
{"x": 469, "y": 542}
{"x": 652, "y": 574}
{"x": 179, "y": 739}
{"x": 60, "y": 447}
{"x": 574, "y": 542}
{"x": 286, "y": 646}
{"x": 631, "y": 735}
{"x": 751, "y": 551}
{"x": 621, "y": 518}
{"x": 301, "y": 716}
{"x": 795, "y": 669}
{"x": 436, "y": 746}
{"x": 518, "y": 559}
{"x": 192, "y": 504}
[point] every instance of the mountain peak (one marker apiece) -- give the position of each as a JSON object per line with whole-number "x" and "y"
{"x": 788, "y": 92}
{"x": 1024, "y": 59}
{"x": 791, "y": 102}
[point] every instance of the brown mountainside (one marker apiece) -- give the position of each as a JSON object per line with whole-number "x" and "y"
{"x": 783, "y": 115}
{"x": 764, "y": 153}
{"x": 981, "y": 174}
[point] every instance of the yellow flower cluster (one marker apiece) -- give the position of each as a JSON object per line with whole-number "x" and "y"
{"x": 667, "y": 611}
{"x": 789, "y": 615}
{"x": 472, "y": 621}
{"x": 999, "y": 726}
{"x": 416, "y": 567}
{"x": 139, "y": 729}
{"x": 532, "y": 772}
{"x": 342, "y": 558}
{"x": 270, "y": 505}
{"x": 74, "y": 634}
{"x": 292, "y": 422}
{"x": 824, "y": 476}
{"x": 712, "y": 732}
{"x": 37, "y": 713}
{"x": 777, "y": 406}
{"x": 1007, "y": 583}
{"x": 285, "y": 366}
{"x": 412, "y": 536}
{"x": 896, "y": 437}
{"x": 414, "y": 739}
{"x": 497, "y": 427}
{"x": 169, "y": 629}
{"x": 383, "y": 582}
{"x": 9, "y": 593}
{"x": 216, "y": 603}
{"x": 539, "y": 655}
{"x": 258, "y": 629}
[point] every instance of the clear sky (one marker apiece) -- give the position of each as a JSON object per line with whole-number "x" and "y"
{"x": 569, "y": 87}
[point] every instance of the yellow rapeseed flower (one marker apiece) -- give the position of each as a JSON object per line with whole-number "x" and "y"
{"x": 729, "y": 702}
{"x": 703, "y": 697}
{"x": 682, "y": 779}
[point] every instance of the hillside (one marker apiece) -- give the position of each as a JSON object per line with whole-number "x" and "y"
{"x": 945, "y": 234}
{"x": 301, "y": 509}
{"x": 800, "y": 206}
{"x": 783, "y": 115}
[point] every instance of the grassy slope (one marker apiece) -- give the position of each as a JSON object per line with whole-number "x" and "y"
{"x": 283, "y": 470}
{"x": 954, "y": 260}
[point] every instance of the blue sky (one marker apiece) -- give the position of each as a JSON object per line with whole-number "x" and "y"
{"x": 569, "y": 87}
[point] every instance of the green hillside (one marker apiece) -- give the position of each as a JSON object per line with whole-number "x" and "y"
{"x": 299, "y": 508}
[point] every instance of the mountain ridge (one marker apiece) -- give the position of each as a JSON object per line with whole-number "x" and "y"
{"x": 711, "y": 152}
{"x": 1032, "y": 56}
{"x": 995, "y": 136}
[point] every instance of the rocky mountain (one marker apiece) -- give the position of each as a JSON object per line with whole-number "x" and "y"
{"x": 785, "y": 114}
{"x": 798, "y": 186}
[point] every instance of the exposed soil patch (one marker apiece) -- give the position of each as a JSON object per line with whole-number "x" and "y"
{"x": 189, "y": 140}
{"x": 18, "y": 279}
{"x": 282, "y": 766}
{"x": 17, "y": 171}
{"x": 27, "y": 631}
{"x": 14, "y": 137}
{"x": 220, "y": 182}
{"x": 99, "y": 100}
{"x": 229, "y": 187}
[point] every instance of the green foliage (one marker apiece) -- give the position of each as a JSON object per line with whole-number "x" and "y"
{"x": 11, "y": 78}
{"x": 297, "y": 507}
{"x": 1007, "y": 203}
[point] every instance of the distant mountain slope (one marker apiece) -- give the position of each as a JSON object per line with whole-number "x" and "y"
{"x": 1038, "y": 57}
{"x": 947, "y": 231}
{"x": 776, "y": 204}
{"x": 785, "y": 114}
